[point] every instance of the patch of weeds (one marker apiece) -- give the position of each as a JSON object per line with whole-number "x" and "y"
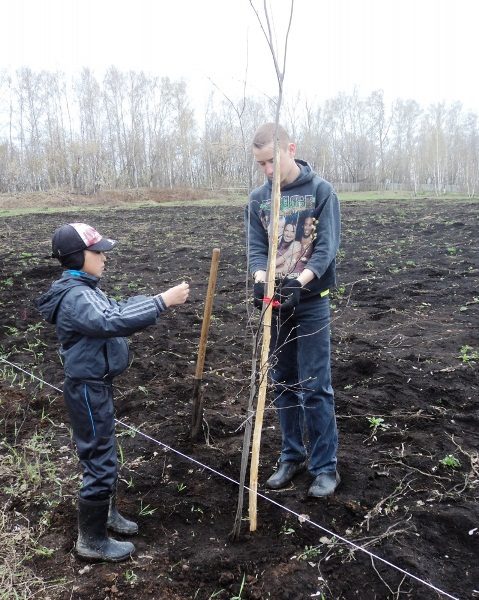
{"x": 239, "y": 596}
{"x": 468, "y": 354}
{"x": 213, "y": 595}
{"x": 130, "y": 577}
{"x": 309, "y": 553}
{"x": 12, "y": 330}
{"x": 286, "y": 530}
{"x": 394, "y": 270}
{"x": 43, "y": 551}
{"x": 133, "y": 286}
{"x": 376, "y": 423}
{"x": 14, "y": 377}
{"x": 18, "y": 544}
{"x": 29, "y": 476}
{"x": 129, "y": 482}
{"x": 126, "y": 432}
{"x": 28, "y": 465}
{"x": 146, "y": 511}
{"x": 34, "y": 327}
{"x": 197, "y": 509}
{"x": 34, "y": 346}
{"x": 121, "y": 456}
{"x": 450, "y": 462}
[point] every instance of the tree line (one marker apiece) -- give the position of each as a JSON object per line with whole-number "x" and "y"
{"x": 133, "y": 130}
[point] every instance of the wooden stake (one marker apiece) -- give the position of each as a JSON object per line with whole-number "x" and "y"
{"x": 197, "y": 414}
{"x": 263, "y": 365}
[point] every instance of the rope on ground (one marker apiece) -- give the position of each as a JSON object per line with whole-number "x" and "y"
{"x": 302, "y": 518}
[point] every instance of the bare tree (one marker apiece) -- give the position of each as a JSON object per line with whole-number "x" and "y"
{"x": 135, "y": 130}
{"x": 269, "y": 290}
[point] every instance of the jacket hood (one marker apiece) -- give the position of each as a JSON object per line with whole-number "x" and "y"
{"x": 305, "y": 176}
{"x": 49, "y": 302}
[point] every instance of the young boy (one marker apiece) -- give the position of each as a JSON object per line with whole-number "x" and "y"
{"x": 91, "y": 329}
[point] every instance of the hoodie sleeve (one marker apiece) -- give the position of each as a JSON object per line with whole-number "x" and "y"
{"x": 256, "y": 238}
{"x": 328, "y": 230}
{"x": 91, "y": 313}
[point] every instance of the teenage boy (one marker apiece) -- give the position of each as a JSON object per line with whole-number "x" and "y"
{"x": 91, "y": 329}
{"x": 300, "y": 340}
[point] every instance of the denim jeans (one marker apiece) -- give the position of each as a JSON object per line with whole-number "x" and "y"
{"x": 301, "y": 372}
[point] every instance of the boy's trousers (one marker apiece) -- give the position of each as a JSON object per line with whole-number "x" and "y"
{"x": 90, "y": 406}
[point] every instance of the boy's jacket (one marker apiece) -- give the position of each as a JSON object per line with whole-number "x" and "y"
{"x": 90, "y": 326}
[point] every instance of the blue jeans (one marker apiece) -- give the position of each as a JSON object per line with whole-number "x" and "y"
{"x": 301, "y": 372}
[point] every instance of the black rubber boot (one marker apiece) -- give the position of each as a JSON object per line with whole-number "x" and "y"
{"x": 93, "y": 542}
{"x": 284, "y": 474}
{"x": 117, "y": 523}
{"x": 324, "y": 485}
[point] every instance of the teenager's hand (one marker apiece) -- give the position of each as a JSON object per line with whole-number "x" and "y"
{"x": 289, "y": 294}
{"x": 258, "y": 294}
{"x": 176, "y": 295}
{"x": 259, "y": 276}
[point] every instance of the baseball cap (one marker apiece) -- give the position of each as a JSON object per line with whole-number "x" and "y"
{"x": 76, "y": 237}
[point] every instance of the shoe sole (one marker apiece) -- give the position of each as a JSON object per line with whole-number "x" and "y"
{"x": 93, "y": 556}
{"x": 98, "y": 558}
{"x": 122, "y": 531}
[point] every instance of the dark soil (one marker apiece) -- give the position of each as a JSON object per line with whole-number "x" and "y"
{"x": 405, "y": 372}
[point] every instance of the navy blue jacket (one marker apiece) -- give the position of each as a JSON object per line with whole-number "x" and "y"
{"x": 90, "y": 326}
{"x": 308, "y": 195}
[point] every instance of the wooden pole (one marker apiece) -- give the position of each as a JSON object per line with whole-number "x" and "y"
{"x": 263, "y": 365}
{"x": 197, "y": 414}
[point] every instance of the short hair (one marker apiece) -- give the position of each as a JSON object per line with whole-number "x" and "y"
{"x": 75, "y": 261}
{"x": 265, "y": 134}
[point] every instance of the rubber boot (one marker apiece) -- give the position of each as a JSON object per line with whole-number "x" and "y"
{"x": 117, "y": 523}
{"x": 93, "y": 542}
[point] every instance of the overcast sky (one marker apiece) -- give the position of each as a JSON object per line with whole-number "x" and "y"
{"x": 420, "y": 49}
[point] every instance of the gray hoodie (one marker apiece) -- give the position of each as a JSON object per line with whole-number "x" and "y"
{"x": 90, "y": 326}
{"x": 308, "y": 196}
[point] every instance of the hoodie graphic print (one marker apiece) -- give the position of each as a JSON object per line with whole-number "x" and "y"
{"x": 296, "y": 232}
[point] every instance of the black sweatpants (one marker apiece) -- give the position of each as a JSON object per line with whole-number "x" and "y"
{"x": 90, "y": 406}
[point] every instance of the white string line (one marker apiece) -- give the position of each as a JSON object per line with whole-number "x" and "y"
{"x": 301, "y": 518}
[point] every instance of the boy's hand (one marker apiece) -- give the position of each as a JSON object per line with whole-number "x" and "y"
{"x": 176, "y": 295}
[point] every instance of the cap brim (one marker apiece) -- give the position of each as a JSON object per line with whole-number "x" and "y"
{"x": 104, "y": 245}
